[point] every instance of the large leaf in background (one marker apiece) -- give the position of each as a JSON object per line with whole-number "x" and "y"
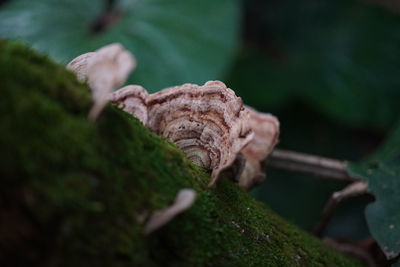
{"x": 382, "y": 172}
{"x": 340, "y": 56}
{"x": 174, "y": 41}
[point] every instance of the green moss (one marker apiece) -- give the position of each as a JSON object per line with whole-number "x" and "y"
{"x": 76, "y": 189}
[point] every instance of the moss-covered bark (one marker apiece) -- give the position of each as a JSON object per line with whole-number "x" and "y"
{"x": 72, "y": 190}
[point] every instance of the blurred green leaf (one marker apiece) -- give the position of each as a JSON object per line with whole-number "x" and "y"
{"x": 340, "y": 57}
{"x": 174, "y": 41}
{"x": 382, "y": 171}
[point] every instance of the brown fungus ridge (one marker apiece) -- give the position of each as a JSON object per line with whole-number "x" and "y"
{"x": 266, "y": 135}
{"x": 209, "y": 122}
{"x": 132, "y": 99}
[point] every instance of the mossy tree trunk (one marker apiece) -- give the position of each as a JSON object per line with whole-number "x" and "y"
{"x": 73, "y": 191}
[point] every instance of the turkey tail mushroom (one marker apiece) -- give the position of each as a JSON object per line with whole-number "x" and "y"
{"x": 266, "y": 135}
{"x": 132, "y": 99}
{"x": 104, "y": 70}
{"x": 209, "y": 123}
{"x": 183, "y": 201}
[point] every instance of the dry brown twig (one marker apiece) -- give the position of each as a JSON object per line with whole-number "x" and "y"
{"x": 352, "y": 251}
{"x": 321, "y": 167}
{"x": 311, "y": 164}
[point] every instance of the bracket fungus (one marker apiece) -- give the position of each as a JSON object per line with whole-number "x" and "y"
{"x": 183, "y": 201}
{"x": 266, "y": 135}
{"x": 133, "y": 100}
{"x": 104, "y": 70}
{"x": 209, "y": 122}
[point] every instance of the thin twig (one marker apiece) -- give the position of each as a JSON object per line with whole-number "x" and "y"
{"x": 352, "y": 190}
{"x": 352, "y": 251}
{"x": 319, "y": 166}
